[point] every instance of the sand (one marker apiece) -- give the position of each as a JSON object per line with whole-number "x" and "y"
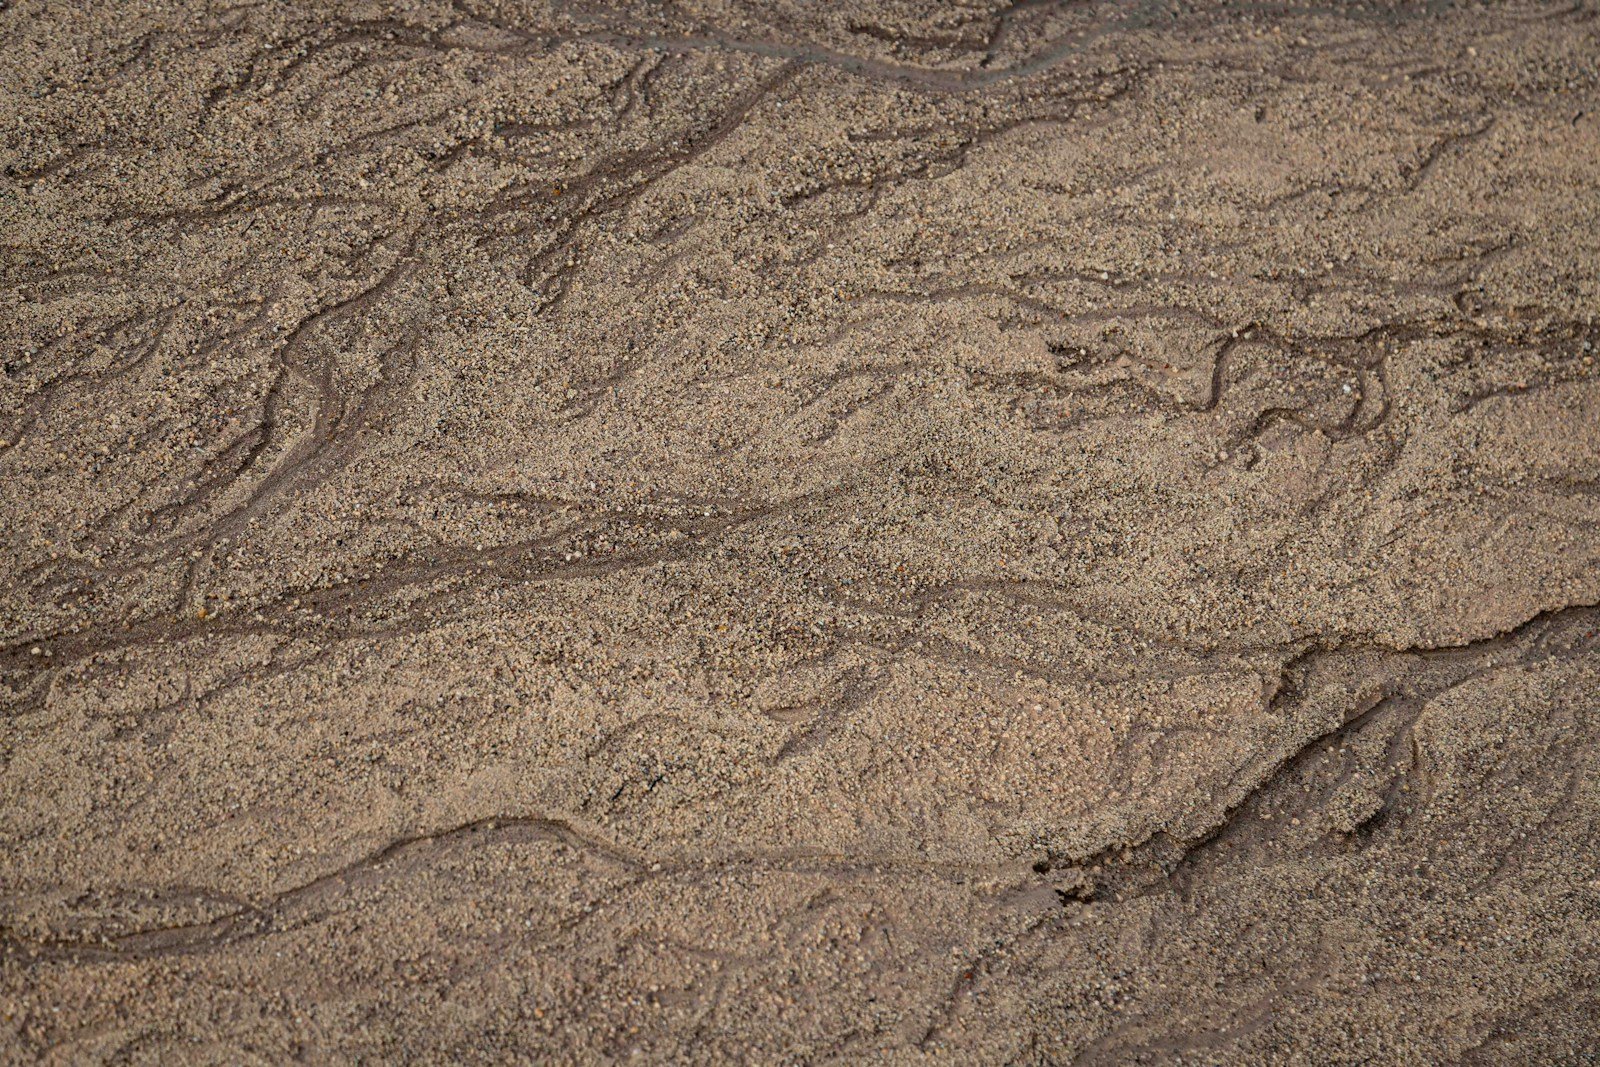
{"x": 905, "y": 532}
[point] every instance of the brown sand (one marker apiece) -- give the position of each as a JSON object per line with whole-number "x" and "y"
{"x": 798, "y": 533}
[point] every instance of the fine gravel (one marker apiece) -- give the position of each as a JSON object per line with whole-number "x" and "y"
{"x": 725, "y": 532}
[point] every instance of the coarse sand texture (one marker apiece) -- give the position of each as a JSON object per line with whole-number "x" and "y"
{"x": 732, "y": 532}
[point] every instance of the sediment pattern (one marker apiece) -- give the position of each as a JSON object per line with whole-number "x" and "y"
{"x": 1036, "y": 532}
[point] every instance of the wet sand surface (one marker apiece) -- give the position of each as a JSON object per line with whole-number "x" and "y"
{"x": 792, "y": 533}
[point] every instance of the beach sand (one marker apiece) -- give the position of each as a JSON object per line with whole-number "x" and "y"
{"x": 906, "y": 532}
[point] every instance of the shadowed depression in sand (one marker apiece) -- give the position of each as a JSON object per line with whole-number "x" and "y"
{"x": 887, "y": 531}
